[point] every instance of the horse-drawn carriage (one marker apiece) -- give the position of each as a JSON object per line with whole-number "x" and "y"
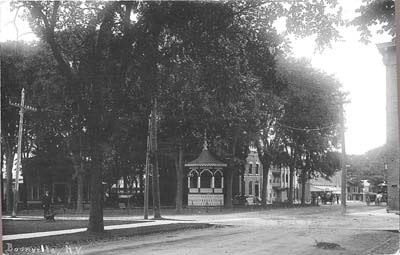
{"x": 327, "y": 197}
{"x": 376, "y": 198}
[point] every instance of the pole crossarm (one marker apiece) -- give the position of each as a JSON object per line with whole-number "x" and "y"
{"x": 24, "y": 107}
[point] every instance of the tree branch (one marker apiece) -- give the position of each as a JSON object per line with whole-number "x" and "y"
{"x": 49, "y": 36}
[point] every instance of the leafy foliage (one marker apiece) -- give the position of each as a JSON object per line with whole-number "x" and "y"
{"x": 211, "y": 65}
{"x": 369, "y": 166}
{"x": 375, "y": 13}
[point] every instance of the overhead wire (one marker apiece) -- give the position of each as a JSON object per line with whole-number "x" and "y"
{"x": 307, "y": 129}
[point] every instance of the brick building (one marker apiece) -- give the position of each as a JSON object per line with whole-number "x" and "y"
{"x": 388, "y": 51}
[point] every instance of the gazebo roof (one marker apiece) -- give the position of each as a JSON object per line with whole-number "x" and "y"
{"x": 205, "y": 159}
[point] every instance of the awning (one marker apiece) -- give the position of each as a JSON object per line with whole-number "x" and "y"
{"x": 318, "y": 188}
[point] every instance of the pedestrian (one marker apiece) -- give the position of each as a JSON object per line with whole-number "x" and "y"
{"x": 368, "y": 200}
{"x": 378, "y": 199}
{"x": 337, "y": 199}
{"x": 46, "y": 203}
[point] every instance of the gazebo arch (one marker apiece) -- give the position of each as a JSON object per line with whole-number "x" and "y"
{"x": 206, "y": 177}
{"x": 193, "y": 176}
{"x": 218, "y": 179}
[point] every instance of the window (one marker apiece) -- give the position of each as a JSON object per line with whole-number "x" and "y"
{"x": 193, "y": 179}
{"x": 205, "y": 179}
{"x": 250, "y": 168}
{"x": 256, "y": 168}
{"x": 250, "y": 188}
{"x": 256, "y": 189}
{"x": 218, "y": 180}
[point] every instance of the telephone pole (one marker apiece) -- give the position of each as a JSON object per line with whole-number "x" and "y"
{"x": 154, "y": 157}
{"x": 343, "y": 161}
{"x": 22, "y": 108}
{"x": 152, "y": 162}
{"x": 147, "y": 174}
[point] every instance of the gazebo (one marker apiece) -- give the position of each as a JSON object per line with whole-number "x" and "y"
{"x": 205, "y": 180}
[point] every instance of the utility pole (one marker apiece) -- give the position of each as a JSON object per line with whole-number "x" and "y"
{"x": 343, "y": 161}
{"x": 154, "y": 157}
{"x": 22, "y": 108}
{"x": 147, "y": 173}
{"x": 152, "y": 161}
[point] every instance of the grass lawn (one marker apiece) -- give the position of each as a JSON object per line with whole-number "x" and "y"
{"x": 11, "y": 227}
{"x": 77, "y": 239}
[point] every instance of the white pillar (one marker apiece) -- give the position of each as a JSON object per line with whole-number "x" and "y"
{"x": 189, "y": 182}
{"x": 222, "y": 182}
{"x": 198, "y": 182}
{"x": 212, "y": 182}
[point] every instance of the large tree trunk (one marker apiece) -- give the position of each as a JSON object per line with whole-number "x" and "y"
{"x": 78, "y": 168}
{"x": 96, "y": 223}
{"x": 9, "y": 164}
{"x": 303, "y": 186}
{"x": 179, "y": 181}
{"x": 228, "y": 187}
{"x": 94, "y": 130}
{"x": 264, "y": 192}
{"x": 79, "y": 199}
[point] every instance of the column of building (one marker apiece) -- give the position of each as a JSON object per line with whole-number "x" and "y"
{"x": 388, "y": 50}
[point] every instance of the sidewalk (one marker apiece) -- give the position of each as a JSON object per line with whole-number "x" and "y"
{"x": 144, "y": 223}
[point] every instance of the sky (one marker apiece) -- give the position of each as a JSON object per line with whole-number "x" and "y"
{"x": 357, "y": 66}
{"x": 360, "y": 69}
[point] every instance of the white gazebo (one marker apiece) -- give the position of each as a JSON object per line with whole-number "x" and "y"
{"x": 205, "y": 180}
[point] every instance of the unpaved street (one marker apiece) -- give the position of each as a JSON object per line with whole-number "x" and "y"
{"x": 364, "y": 230}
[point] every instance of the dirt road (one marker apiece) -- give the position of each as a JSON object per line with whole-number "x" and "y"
{"x": 316, "y": 230}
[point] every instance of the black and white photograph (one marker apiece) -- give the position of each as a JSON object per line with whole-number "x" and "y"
{"x": 266, "y": 127}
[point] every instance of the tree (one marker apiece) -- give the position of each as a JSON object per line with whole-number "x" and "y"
{"x": 18, "y": 60}
{"x": 11, "y": 86}
{"x": 103, "y": 51}
{"x": 309, "y": 125}
{"x": 372, "y": 13}
{"x": 369, "y": 166}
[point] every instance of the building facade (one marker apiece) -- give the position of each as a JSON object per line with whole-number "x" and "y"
{"x": 250, "y": 184}
{"x": 388, "y": 51}
{"x": 251, "y": 181}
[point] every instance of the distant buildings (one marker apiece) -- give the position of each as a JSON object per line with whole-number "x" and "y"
{"x": 319, "y": 186}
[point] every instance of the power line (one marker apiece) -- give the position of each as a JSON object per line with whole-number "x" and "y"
{"x": 307, "y": 129}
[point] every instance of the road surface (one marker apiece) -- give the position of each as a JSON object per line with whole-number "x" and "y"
{"x": 364, "y": 230}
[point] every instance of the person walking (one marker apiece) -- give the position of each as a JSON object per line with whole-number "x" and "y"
{"x": 46, "y": 203}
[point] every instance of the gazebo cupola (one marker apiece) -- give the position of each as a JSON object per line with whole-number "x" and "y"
{"x": 205, "y": 180}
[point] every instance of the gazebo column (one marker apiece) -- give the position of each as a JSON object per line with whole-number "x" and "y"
{"x": 212, "y": 182}
{"x": 198, "y": 182}
{"x": 222, "y": 182}
{"x": 189, "y": 182}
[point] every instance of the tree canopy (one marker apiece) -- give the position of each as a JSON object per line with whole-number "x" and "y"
{"x": 375, "y": 14}
{"x": 211, "y": 66}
